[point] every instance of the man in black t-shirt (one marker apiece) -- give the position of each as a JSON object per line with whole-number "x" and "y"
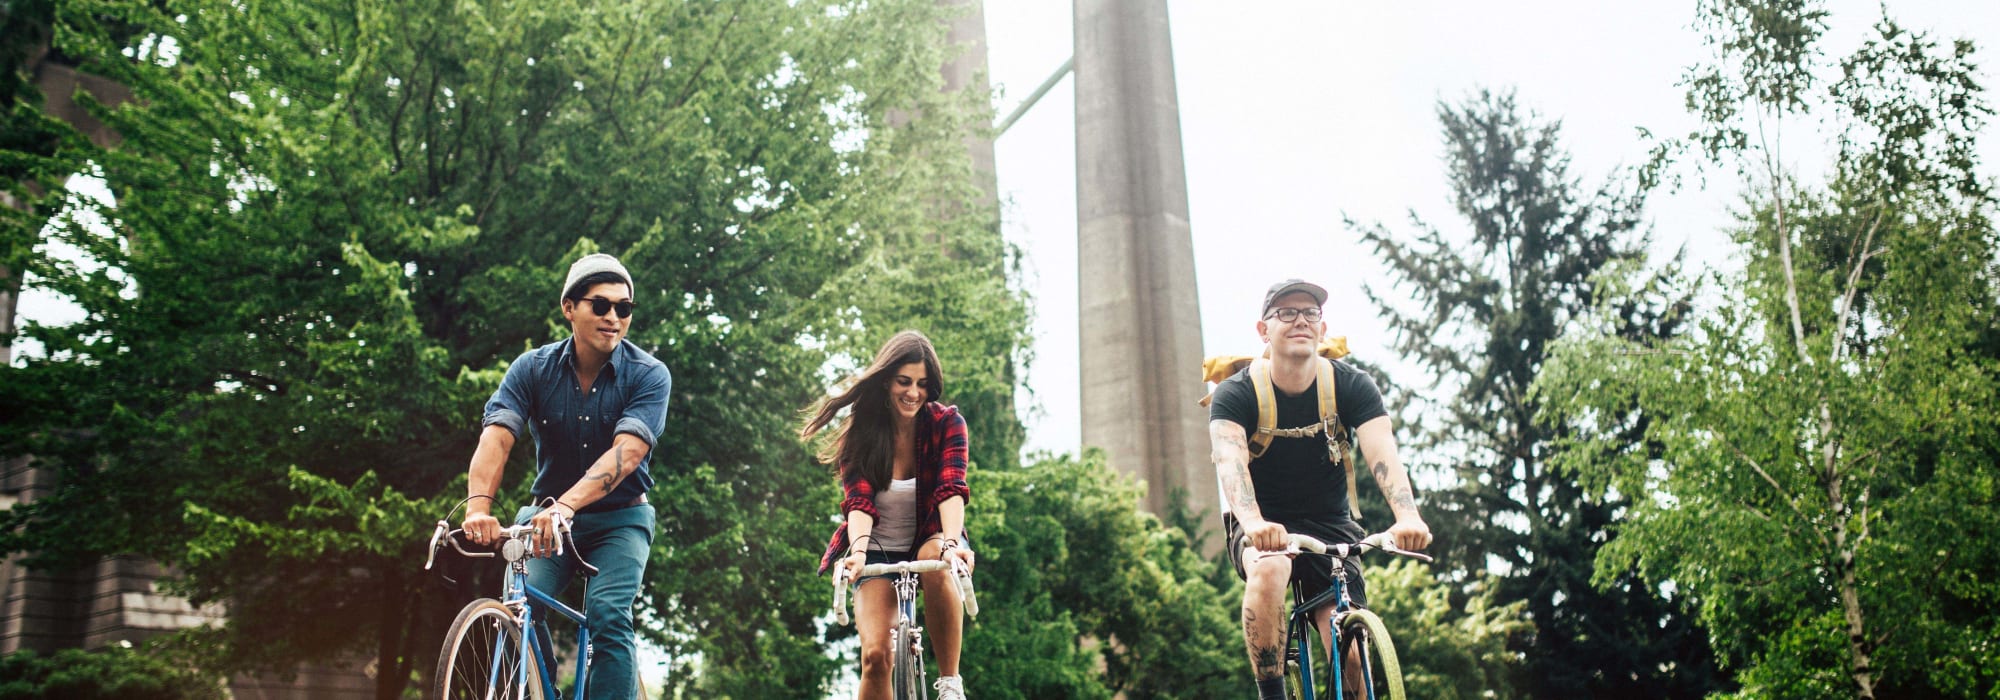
{"x": 1293, "y": 486}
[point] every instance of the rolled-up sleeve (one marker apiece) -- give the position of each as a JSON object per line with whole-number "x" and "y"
{"x": 646, "y": 411}
{"x": 951, "y": 470}
{"x": 856, "y": 492}
{"x": 510, "y": 404}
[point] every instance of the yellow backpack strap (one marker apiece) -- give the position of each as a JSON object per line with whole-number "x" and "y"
{"x": 1336, "y": 436}
{"x": 1267, "y": 406}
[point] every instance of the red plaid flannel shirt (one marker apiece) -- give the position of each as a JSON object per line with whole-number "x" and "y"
{"x": 940, "y": 475}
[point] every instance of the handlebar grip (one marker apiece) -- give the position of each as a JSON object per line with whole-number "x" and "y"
{"x": 965, "y": 594}
{"x": 1294, "y": 542}
{"x": 840, "y": 596}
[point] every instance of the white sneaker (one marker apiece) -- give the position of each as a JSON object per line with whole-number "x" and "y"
{"x": 950, "y": 688}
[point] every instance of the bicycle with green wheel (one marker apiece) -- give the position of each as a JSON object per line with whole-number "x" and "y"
{"x": 906, "y": 655}
{"x": 1366, "y": 667}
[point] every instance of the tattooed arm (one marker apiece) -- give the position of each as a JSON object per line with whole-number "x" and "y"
{"x": 1230, "y": 450}
{"x": 610, "y": 469}
{"x": 599, "y": 481}
{"x": 1378, "y": 444}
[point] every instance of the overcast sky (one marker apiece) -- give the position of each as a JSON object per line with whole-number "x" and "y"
{"x": 1294, "y": 113}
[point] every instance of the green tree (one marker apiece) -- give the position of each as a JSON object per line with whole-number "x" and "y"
{"x": 1489, "y": 304}
{"x": 1823, "y": 479}
{"x": 1450, "y": 650}
{"x": 1074, "y": 577}
{"x": 334, "y": 225}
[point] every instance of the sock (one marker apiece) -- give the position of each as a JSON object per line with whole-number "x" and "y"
{"x": 1271, "y": 688}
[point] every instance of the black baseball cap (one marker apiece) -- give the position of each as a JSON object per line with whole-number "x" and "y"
{"x": 1295, "y": 284}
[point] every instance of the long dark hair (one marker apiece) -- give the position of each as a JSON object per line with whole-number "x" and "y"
{"x": 866, "y": 442}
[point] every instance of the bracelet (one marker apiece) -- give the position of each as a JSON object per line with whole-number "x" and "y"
{"x": 572, "y": 509}
{"x": 950, "y": 543}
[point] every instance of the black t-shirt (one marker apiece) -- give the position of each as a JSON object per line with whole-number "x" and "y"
{"x": 1293, "y": 478}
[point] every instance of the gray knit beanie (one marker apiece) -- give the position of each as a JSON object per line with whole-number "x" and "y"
{"x": 592, "y": 264}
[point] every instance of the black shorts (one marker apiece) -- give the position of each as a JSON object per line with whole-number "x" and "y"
{"x": 877, "y": 556}
{"x": 1311, "y": 573}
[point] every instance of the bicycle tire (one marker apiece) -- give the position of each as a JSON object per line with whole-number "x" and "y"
{"x": 1377, "y": 653}
{"x": 907, "y": 670}
{"x": 484, "y": 638}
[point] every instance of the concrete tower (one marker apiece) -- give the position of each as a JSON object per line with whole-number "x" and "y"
{"x": 1141, "y": 328}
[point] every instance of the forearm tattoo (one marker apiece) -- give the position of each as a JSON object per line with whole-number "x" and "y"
{"x": 1399, "y": 493}
{"x": 1228, "y": 449}
{"x": 609, "y": 475}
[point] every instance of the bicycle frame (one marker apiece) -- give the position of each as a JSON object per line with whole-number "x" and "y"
{"x": 523, "y": 600}
{"x": 907, "y": 583}
{"x": 906, "y": 609}
{"x": 1300, "y": 629}
{"x": 535, "y": 638}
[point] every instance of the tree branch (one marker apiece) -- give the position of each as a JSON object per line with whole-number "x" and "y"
{"x": 1854, "y": 285}
{"x": 1788, "y": 498}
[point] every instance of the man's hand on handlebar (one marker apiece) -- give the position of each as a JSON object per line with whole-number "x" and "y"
{"x": 1264, "y": 534}
{"x": 482, "y": 528}
{"x": 546, "y": 525}
{"x": 1411, "y": 534}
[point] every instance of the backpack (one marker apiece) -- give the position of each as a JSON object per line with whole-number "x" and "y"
{"x": 1221, "y": 367}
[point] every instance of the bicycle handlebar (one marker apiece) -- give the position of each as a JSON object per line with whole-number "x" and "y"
{"x": 960, "y": 576}
{"x": 525, "y": 534}
{"x": 1295, "y": 543}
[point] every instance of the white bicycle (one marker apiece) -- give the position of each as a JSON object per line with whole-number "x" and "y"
{"x": 906, "y": 638}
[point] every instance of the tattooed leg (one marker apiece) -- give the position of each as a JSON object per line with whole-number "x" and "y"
{"x": 1263, "y": 615}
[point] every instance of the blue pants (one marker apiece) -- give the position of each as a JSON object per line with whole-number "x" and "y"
{"x": 618, "y": 543}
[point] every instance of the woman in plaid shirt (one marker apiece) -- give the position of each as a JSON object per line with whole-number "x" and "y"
{"x": 901, "y": 457}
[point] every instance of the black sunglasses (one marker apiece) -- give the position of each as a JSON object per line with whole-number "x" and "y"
{"x": 602, "y": 306}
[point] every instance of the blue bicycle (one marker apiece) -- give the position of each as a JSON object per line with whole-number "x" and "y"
{"x": 500, "y": 649}
{"x": 1367, "y": 669}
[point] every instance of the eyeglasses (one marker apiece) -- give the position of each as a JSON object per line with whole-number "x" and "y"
{"x": 602, "y": 306}
{"x": 1287, "y": 314}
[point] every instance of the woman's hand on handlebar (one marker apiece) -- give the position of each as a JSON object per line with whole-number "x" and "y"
{"x": 852, "y": 564}
{"x": 959, "y": 554}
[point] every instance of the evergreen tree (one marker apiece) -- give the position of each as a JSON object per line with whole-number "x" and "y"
{"x": 1488, "y": 305}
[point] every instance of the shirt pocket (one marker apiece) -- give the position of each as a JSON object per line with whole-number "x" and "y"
{"x": 597, "y": 432}
{"x": 554, "y": 428}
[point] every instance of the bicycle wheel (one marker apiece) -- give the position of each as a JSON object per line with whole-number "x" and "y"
{"x": 1298, "y": 667}
{"x": 907, "y": 669}
{"x": 1365, "y": 633}
{"x": 482, "y": 657}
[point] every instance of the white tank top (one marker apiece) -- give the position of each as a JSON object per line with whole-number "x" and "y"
{"x": 895, "y": 517}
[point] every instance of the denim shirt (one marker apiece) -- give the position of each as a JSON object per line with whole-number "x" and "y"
{"x": 572, "y": 428}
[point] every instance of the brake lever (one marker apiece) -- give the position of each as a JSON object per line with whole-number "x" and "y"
{"x": 436, "y": 534}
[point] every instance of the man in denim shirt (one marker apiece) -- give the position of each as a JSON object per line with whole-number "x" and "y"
{"x": 595, "y": 404}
